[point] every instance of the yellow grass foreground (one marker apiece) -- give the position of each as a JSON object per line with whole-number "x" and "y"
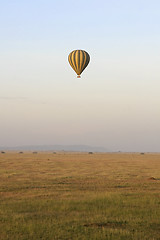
{"x": 79, "y": 196}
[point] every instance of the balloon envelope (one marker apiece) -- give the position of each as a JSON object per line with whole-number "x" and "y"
{"x": 78, "y": 59}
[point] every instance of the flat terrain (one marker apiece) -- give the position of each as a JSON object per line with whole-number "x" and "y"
{"x": 79, "y": 196}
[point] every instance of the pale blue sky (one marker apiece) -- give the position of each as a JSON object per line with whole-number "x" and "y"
{"x": 116, "y": 103}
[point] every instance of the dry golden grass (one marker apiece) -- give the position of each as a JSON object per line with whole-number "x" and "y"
{"x": 79, "y": 196}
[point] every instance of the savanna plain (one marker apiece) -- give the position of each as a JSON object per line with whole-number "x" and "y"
{"x": 80, "y": 196}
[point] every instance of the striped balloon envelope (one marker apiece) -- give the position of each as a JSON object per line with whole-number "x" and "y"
{"x": 78, "y": 59}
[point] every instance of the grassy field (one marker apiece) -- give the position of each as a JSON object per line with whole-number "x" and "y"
{"x": 79, "y": 196}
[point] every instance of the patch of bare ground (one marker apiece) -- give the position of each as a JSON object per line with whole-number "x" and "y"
{"x": 120, "y": 225}
{"x": 152, "y": 178}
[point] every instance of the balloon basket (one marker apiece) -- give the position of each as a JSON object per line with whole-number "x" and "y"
{"x": 78, "y": 76}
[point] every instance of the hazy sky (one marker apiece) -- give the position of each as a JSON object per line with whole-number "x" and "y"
{"x": 115, "y": 104}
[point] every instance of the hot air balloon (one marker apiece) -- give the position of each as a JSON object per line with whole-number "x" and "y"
{"x": 78, "y": 59}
